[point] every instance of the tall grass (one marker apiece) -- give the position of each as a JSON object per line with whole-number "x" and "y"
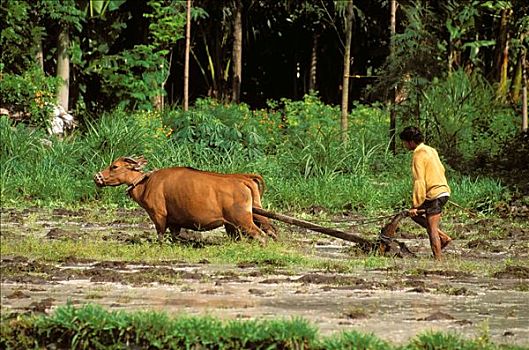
{"x": 479, "y": 194}
{"x": 297, "y": 150}
{"x": 464, "y": 119}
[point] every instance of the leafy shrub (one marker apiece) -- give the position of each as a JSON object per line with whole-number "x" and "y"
{"x": 515, "y": 154}
{"x": 31, "y": 94}
{"x": 306, "y": 119}
{"x": 216, "y": 127}
{"x": 132, "y": 77}
{"x": 462, "y": 119}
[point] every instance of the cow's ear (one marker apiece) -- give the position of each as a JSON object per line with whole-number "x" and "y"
{"x": 129, "y": 160}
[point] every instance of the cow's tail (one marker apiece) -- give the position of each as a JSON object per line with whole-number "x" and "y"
{"x": 258, "y": 179}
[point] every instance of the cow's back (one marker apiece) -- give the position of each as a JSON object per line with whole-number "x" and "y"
{"x": 196, "y": 199}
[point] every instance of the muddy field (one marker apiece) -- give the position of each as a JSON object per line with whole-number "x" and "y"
{"x": 396, "y": 302}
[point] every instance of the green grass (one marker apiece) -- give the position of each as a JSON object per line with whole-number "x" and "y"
{"x": 304, "y": 163}
{"x": 283, "y": 254}
{"x": 54, "y": 250}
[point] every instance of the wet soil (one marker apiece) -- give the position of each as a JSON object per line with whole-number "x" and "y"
{"x": 394, "y": 303}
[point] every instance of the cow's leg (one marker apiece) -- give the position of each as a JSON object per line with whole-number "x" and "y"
{"x": 264, "y": 224}
{"x": 245, "y": 223}
{"x": 175, "y": 231}
{"x": 232, "y": 231}
{"x": 240, "y": 214}
{"x": 160, "y": 222}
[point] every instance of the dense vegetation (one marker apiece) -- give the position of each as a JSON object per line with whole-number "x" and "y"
{"x": 295, "y": 145}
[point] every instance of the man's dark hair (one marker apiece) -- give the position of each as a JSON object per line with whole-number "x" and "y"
{"x": 412, "y": 133}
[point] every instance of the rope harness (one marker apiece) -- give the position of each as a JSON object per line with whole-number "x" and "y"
{"x": 138, "y": 180}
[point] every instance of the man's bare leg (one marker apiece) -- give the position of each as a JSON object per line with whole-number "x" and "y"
{"x": 433, "y": 233}
{"x": 445, "y": 239}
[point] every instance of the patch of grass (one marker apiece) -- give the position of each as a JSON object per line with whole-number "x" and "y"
{"x": 457, "y": 291}
{"x": 94, "y": 295}
{"x": 522, "y": 287}
{"x": 230, "y": 252}
{"x": 303, "y": 162}
{"x": 478, "y": 194}
{"x": 355, "y": 340}
{"x": 93, "y": 327}
{"x": 438, "y": 340}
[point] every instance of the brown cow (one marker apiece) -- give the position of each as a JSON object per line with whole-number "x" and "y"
{"x": 182, "y": 197}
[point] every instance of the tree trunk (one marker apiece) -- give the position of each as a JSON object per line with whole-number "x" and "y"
{"x": 518, "y": 73}
{"x": 63, "y": 67}
{"x": 450, "y": 62}
{"x": 313, "y": 62}
{"x": 454, "y": 56}
{"x": 159, "y": 100}
{"x": 502, "y": 54}
{"x": 517, "y": 80}
{"x": 346, "y": 70}
{"x": 237, "y": 53}
{"x": 186, "y": 59}
{"x": 393, "y": 92}
{"x": 524, "y": 93}
{"x": 39, "y": 55}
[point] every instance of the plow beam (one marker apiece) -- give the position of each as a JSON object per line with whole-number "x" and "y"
{"x": 363, "y": 243}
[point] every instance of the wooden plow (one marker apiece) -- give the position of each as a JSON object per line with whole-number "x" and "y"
{"x": 386, "y": 244}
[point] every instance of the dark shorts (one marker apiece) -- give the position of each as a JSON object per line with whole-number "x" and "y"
{"x": 434, "y": 206}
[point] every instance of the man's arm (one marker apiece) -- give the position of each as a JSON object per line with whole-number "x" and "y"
{"x": 419, "y": 176}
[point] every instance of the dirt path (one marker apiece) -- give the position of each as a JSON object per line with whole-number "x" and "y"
{"x": 395, "y": 305}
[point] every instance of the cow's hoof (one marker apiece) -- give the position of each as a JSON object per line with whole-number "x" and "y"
{"x": 272, "y": 234}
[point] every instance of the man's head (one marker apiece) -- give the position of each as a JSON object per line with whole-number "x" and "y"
{"x": 412, "y": 137}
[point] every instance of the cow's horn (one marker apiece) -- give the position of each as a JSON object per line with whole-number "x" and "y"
{"x": 130, "y": 160}
{"x": 141, "y": 160}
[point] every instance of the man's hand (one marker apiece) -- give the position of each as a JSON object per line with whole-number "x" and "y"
{"x": 413, "y": 212}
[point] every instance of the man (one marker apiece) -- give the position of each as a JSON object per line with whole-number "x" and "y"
{"x": 430, "y": 188}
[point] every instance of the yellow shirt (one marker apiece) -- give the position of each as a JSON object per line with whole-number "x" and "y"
{"x": 429, "y": 179}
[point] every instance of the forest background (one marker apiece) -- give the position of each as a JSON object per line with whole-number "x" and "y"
{"x": 308, "y": 93}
